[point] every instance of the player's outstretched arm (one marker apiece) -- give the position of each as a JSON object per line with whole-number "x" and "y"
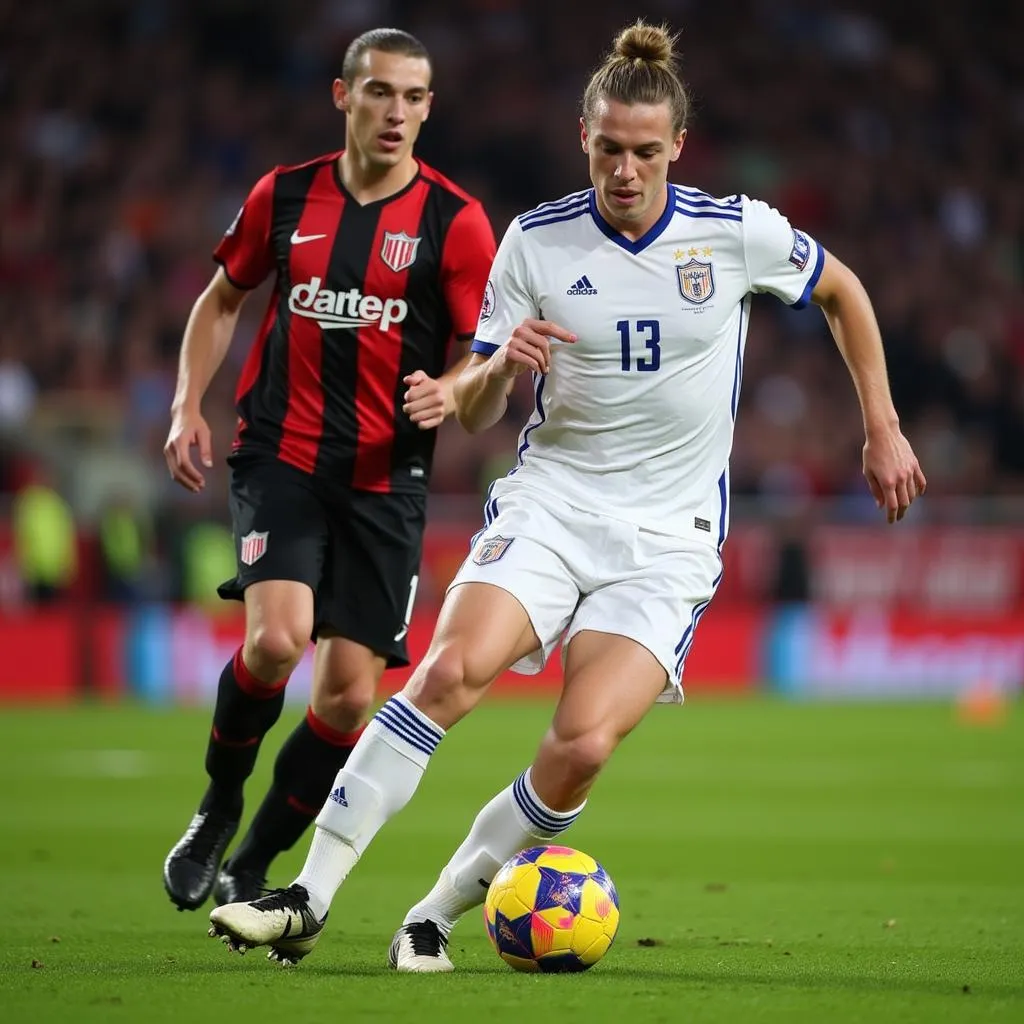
{"x": 890, "y": 465}
{"x": 207, "y": 338}
{"x": 481, "y": 392}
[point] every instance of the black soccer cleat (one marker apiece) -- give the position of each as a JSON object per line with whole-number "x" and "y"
{"x": 281, "y": 920}
{"x": 241, "y": 885}
{"x": 190, "y": 869}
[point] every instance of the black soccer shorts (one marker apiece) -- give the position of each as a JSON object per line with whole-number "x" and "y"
{"x": 358, "y": 551}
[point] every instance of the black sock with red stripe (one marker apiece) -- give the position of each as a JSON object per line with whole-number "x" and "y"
{"x": 246, "y": 709}
{"x": 303, "y": 775}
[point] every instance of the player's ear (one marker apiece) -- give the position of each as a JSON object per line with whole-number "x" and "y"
{"x": 583, "y": 135}
{"x": 340, "y": 94}
{"x": 426, "y": 106}
{"x": 677, "y": 145}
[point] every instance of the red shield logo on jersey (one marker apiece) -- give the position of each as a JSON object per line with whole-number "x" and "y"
{"x": 696, "y": 281}
{"x": 399, "y": 250}
{"x": 254, "y": 547}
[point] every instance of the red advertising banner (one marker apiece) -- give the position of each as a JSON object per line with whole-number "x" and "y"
{"x": 970, "y": 570}
{"x": 42, "y": 657}
{"x": 166, "y": 654}
{"x": 976, "y": 571}
{"x": 53, "y": 655}
{"x": 725, "y": 656}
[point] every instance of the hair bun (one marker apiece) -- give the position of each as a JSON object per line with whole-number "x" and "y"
{"x": 645, "y": 42}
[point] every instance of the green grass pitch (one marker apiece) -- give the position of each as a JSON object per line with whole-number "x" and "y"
{"x": 775, "y": 862}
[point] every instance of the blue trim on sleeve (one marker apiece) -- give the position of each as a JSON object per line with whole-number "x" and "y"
{"x": 557, "y": 206}
{"x": 696, "y": 197}
{"x": 813, "y": 279}
{"x": 687, "y": 212}
{"x": 485, "y": 348}
{"x": 572, "y": 213}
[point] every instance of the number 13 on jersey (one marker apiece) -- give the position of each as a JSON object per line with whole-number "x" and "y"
{"x": 645, "y": 335}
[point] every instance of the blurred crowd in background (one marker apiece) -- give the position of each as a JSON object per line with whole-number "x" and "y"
{"x": 131, "y": 130}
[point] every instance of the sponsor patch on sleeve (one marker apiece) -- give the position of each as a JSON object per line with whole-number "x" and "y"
{"x": 801, "y": 251}
{"x": 487, "y": 306}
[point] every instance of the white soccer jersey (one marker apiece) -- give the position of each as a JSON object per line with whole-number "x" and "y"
{"x": 635, "y": 420}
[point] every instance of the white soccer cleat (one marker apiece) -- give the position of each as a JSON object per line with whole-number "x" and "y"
{"x": 282, "y": 920}
{"x": 420, "y": 949}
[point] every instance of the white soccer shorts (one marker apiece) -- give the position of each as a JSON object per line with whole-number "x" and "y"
{"x": 573, "y": 570}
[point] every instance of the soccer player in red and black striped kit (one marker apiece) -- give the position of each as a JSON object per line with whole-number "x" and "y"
{"x": 379, "y": 262}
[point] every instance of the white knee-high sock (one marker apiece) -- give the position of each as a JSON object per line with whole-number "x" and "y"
{"x": 515, "y": 819}
{"x": 380, "y": 777}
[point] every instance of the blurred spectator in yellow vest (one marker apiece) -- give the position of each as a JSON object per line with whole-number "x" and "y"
{"x": 45, "y": 538}
{"x": 125, "y": 536}
{"x": 208, "y": 559}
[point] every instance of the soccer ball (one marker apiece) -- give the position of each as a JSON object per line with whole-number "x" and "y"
{"x": 553, "y": 909}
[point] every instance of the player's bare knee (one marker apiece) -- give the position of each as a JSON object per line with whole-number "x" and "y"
{"x": 344, "y": 703}
{"x": 448, "y": 682}
{"x": 442, "y": 673}
{"x": 272, "y": 650}
{"x": 584, "y": 754}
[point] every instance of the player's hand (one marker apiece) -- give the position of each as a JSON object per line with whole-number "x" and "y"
{"x": 188, "y": 428}
{"x": 893, "y": 473}
{"x": 529, "y": 348}
{"x": 424, "y": 402}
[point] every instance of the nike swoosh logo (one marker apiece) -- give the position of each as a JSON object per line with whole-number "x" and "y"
{"x": 298, "y": 239}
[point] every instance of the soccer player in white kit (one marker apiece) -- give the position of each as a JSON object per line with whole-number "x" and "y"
{"x": 629, "y": 305}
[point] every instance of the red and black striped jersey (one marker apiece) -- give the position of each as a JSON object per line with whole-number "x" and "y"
{"x": 364, "y": 295}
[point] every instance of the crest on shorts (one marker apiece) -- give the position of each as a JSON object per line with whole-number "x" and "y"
{"x": 399, "y": 250}
{"x": 490, "y": 549}
{"x": 254, "y": 547}
{"x": 696, "y": 281}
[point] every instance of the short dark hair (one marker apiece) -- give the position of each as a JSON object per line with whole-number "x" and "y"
{"x": 387, "y": 40}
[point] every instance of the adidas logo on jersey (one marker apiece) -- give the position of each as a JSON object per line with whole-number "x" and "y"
{"x": 338, "y": 796}
{"x": 331, "y": 309}
{"x": 582, "y": 287}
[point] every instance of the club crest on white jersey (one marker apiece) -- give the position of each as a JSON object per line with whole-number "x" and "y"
{"x": 696, "y": 281}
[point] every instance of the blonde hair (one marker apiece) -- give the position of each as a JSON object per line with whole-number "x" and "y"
{"x": 642, "y": 68}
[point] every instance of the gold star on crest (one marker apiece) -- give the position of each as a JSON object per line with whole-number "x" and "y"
{"x": 681, "y": 254}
